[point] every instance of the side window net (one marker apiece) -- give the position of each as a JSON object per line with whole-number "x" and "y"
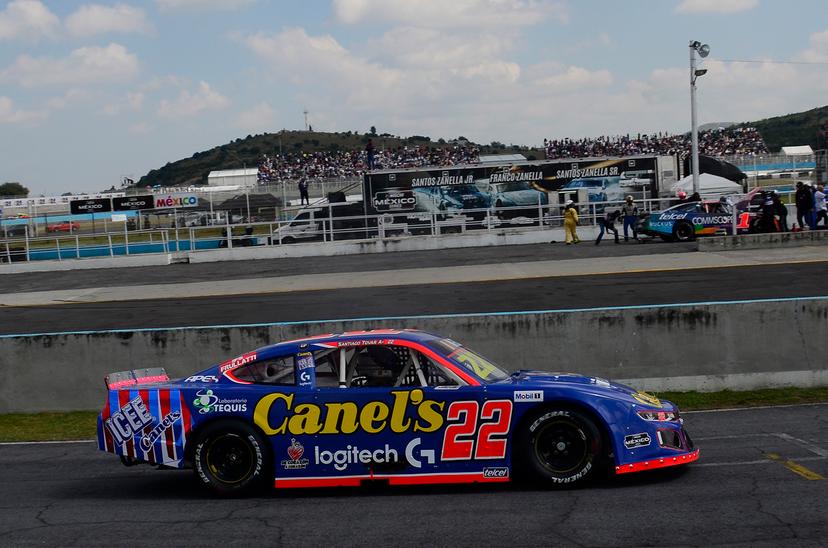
{"x": 278, "y": 371}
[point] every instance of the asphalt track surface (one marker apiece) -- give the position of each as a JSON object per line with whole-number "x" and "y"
{"x": 597, "y": 291}
{"x": 751, "y": 487}
{"x": 241, "y": 270}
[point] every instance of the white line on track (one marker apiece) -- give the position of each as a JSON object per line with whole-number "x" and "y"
{"x": 729, "y": 409}
{"x": 750, "y": 462}
{"x": 44, "y": 442}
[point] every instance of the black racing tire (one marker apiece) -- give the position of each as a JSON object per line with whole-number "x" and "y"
{"x": 232, "y": 458}
{"x": 288, "y": 240}
{"x": 683, "y": 232}
{"x": 562, "y": 447}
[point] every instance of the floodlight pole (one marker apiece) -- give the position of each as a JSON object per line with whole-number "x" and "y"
{"x": 694, "y": 128}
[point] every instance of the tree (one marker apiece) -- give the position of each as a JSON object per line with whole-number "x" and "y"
{"x": 13, "y": 189}
{"x": 373, "y": 130}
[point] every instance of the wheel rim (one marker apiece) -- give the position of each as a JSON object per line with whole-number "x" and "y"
{"x": 230, "y": 458}
{"x": 683, "y": 232}
{"x": 561, "y": 447}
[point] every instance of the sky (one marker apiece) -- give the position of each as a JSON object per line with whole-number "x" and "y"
{"x": 93, "y": 92}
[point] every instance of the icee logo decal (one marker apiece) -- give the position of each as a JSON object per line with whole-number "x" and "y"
{"x": 528, "y": 395}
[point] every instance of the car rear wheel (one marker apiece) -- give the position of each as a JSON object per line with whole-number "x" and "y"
{"x": 232, "y": 458}
{"x": 683, "y": 232}
{"x": 562, "y": 447}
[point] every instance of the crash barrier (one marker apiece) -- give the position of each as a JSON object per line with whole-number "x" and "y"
{"x": 319, "y": 224}
{"x": 764, "y": 241}
{"x": 735, "y": 345}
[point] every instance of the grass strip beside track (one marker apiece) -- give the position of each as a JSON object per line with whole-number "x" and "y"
{"x": 79, "y": 425}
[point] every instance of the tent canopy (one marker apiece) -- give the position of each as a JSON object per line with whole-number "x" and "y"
{"x": 802, "y": 150}
{"x": 714, "y": 166}
{"x": 708, "y": 185}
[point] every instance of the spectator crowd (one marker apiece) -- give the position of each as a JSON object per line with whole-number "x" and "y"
{"x": 717, "y": 142}
{"x": 352, "y": 163}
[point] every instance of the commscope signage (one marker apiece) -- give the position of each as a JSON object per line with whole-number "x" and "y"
{"x": 171, "y": 201}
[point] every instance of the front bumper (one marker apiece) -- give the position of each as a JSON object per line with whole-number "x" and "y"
{"x": 659, "y": 462}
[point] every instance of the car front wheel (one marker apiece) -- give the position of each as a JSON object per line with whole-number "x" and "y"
{"x": 684, "y": 232}
{"x": 232, "y": 458}
{"x": 563, "y": 447}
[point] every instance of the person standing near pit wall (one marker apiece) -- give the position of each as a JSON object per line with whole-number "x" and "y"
{"x": 804, "y": 204}
{"x": 570, "y": 223}
{"x": 630, "y": 212}
{"x": 304, "y": 198}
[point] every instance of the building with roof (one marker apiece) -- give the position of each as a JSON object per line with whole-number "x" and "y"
{"x": 233, "y": 177}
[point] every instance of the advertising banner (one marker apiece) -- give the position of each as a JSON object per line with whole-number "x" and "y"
{"x": 98, "y": 205}
{"x": 133, "y": 203}
{"x": 54, "y": 200}
{"x": 507, "y": 185}
{"x": 174, "y": 201}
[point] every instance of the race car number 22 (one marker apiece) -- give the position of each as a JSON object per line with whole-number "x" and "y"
{"x": 478, "y": 433}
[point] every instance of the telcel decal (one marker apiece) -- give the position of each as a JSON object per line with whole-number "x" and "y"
{"x": 371, "y": 417}
{"x": 207, "y": 402}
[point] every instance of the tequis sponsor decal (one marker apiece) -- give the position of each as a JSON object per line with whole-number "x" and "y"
{"x": 528, "y": 395}
{"x": 371, "y": 417}
{"x": 352, "y": 454}
{"x": 158, "y": 429}
{"x": 637, "y": 440}
{"x": 237, "y": 362}
{"x": 207, "y": 402}
{"x": 295, "y": 451}
{"x": 130, "y": 419}
{"x": 201, "y": 378}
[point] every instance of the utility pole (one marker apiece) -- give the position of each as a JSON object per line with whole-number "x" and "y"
{"x": 305, "y": 112}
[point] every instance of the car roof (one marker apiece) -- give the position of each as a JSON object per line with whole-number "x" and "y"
{"x": 373, "y": 336}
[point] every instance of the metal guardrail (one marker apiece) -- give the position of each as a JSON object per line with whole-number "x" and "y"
{"x": 324, "y": 227}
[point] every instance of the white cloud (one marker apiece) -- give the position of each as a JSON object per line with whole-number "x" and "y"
{"x": 189, "y": 104}
{"x": 132, "y": 101}
{"x": 171, "y": 5}
{"x": 93, "y": 19}
{"x": 141, "y": 128}
{"x": 83, "y": 66}
{"x": 817, "y": 51}
{"x": 9, "y": 114}
{"x": 715, "y": 6}
{"x": 27, "y": 19}
{"x": 453, "y": 13}
{"x": 262, "y": 117}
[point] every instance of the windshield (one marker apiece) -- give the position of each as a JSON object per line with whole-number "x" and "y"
{"x": 514, "y": 186}
{"x": 469, "y": 360}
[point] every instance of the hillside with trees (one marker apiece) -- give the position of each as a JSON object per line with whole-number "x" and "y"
{"x": 802, "y": 128}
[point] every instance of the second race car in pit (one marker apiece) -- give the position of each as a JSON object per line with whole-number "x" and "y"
{"x": 398, "y": 406}
{"x": 689, "y": 220}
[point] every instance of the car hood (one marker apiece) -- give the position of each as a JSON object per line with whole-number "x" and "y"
{"x": 544, "y": 379}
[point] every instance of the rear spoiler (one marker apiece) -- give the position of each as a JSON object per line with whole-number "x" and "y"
{"x": 123, "y": 379}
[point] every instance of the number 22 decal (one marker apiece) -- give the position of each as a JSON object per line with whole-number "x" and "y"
{"x": 464, "y": 439}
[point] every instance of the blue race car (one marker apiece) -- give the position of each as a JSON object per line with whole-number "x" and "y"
{"x": 399, "y": 406}
{"x": 687, "y": 221}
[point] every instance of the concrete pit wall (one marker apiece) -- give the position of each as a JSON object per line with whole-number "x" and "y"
{"x": 737, "y": 346}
